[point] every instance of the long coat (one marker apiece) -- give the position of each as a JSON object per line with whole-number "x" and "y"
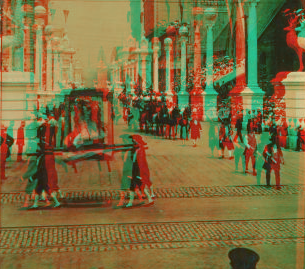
{"x": 46, "y": 173}
{"x": 20, "y": 136}
{"x": 270, "y": 156}
{"x": 143, "y": 165}
{"x": 195, "y": 129}
{"x": 127, "y": 170}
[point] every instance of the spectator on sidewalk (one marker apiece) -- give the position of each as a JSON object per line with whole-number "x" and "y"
{"x": 250, "y": 151}
{"x": 273, "y": 159}
{"x": 195, "y": 127}
{"x": 259, "y": 159}
{"x": 273, "y": 131}
{"x": 300, "y": 140}
{"x": 53, "y": 130}
{"x": 6, "y": 141}
{"x": 283, "y": 133}
{"x": 183, "y": 129}
{"x": 225, "y": 139}
{"x": 259, "y": 119}
{"x": 239, "y": 149}
{"x": 213, "y": 137}
{"x": 239, "y": 127}
{"x": 250, "y": 122}
{"x": 62, "y": 128}
{"x": 20, "y": 141}
{"x": 243, "y": 258}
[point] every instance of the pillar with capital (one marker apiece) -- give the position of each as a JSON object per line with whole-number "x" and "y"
{"x": 38, "y": 52}
{"x": 210, "y": 95}
{"x": 137, "y": 64}
{"x": 145, "y": 52}
{"x": 196, "y": 98}
{"x": 197, "y": 48}
{"x": 156, "y": 49}
{"x": 183, "y": 96}
{"x": 240, "y": 101}
{"x": 253, "y": 90}
{"x": 71, "y": 66}
{"x": 26, "y": 47}
{"x": 143, "y": 71}
{"x": 57, "y": 67}
{"x": 168, "y": 48}
{"x": 49, "y": 64}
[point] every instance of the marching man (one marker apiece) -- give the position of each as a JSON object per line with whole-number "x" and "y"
{"x": 140, "y": 172}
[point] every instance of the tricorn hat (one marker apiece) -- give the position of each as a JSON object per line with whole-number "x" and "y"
{"x": 138, "y": 139}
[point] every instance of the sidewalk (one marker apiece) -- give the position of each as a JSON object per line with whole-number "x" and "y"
{"x": 171, "y": 165}
{"x": 203, "y": 209}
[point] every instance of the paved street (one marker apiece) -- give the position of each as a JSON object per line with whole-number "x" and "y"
{"x": 203, "y": 209}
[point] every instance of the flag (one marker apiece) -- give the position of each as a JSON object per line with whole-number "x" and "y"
{"x": 168, "y": 10}
{"x": 66, "y": 13}
{"x": 181, "y": 10}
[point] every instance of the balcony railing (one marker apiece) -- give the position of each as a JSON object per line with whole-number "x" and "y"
{"x": 211, "y": 2}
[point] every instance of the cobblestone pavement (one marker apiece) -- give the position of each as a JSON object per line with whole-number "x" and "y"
{"x": 239, "y": 213}
{"x": 150, "y": 236}
{"x": 171, "y": 166}
{"x": 183, "y": 192}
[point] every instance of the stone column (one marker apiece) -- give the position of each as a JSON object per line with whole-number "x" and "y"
{"x": 57, "y": 68}
{"x": 38, "y": 55}
{"x": 240, "y": 47}
{"x": 252, "y": 95}
{"x": 119, "y": 74}
{"x": 209, "y": 60}
{"x": 18, "y": 56}
{"x": 148, "y": 69}
{"x": 210, "y": 95}
{"x": 196, "y": 98}
{"x": 143, "y": 71}
{"x": 252, "y": 47}
{"x": 112, "y": 74}
{"x": 133, "y": 73}
{"x": 197, "y": 12}
{"x": 183, "y": 96}
{"x": 197, "y": 56}
{"x": 125, "y": 72}
{"x": 156, "y": 49}
{"x": 253, "y": 88}
{"x": 168, "y": 48}
{"x": 71, "y": 69}
{"x": 49, "y": 65}
{"x": 240, "y": 99}
{"x": 26, "y": 47}
{"x": 138, "y": 69}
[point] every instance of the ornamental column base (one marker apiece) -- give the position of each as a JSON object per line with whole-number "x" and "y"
{"x": 293, "y": 99}
{"x": 252, "y": 100}
{"x": 170, "y": 100}
{"x": 209, "y": 99}
{"x": 196, "y": 102}
{"x": 183, "y": 100}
